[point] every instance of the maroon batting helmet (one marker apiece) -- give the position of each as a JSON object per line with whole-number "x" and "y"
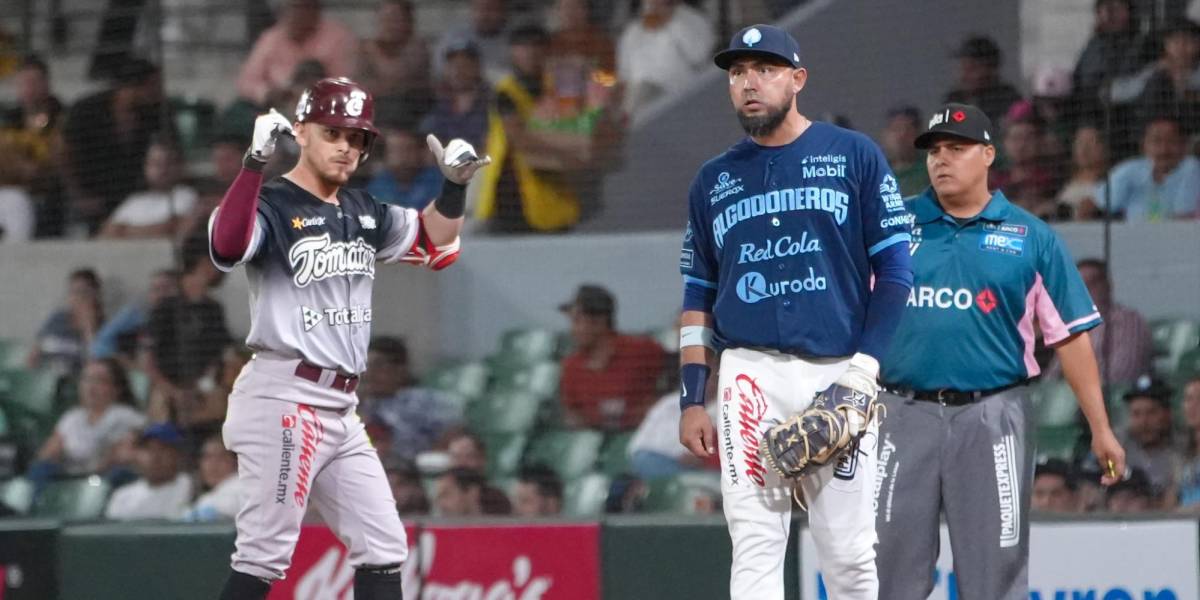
{"x": 339, "y": 102}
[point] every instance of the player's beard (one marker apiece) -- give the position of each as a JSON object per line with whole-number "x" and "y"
{"x": 767, "y": 123}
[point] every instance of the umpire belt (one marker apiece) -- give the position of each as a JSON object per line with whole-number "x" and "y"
{"x": 948, "y": 397}
{"x": 338, "y": 381}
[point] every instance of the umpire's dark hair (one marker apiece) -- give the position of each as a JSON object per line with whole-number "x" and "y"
{"x": 87, "y": 275}
{"x": 466, "y": 478}
{"x": 390, "y": 346}
{"x": 544, "y": 478}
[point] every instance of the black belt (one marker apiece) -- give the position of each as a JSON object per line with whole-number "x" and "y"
{"x": 345, "y": 383}
{"x": 948, "y": 397}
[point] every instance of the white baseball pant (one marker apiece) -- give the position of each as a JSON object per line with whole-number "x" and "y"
{"x": 759, "y": 389}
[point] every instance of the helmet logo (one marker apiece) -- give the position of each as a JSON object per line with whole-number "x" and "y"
{"x": 354, "y": 106}
{"x": 304, "y": 105}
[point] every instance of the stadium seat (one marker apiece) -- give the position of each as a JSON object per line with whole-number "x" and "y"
{"x": 139, "y": 384}
{"x": 1172, "y": 339}
{"x": 12, "y": 354}
{"x": 614, "y": 456}
{"x": 5, "y": 428}
{"x": 468, "y": 380}
{"x": 1057, "y": 442}
{"x": 504, "y": 451}
{"x": 585, "y": 496}
{"x": 1054, "y": 404}
{"x": 17, "y": 493}
{"x": 680, "y": 493}
{"x": 1188, "y": 367}
{"x": 539, "y": 378}
{"x": 526, "y": 347}
{"x": 571, "y": 453}
{"x": 73, "y": 499}
{"x": 32, "y": 392}
{"x": 504, "y": 411}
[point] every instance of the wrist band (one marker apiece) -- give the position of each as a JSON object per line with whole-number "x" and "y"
{"x": 695, "y": 335}
{"x": 693, "y": 379}
{"x": 452, "y": 202}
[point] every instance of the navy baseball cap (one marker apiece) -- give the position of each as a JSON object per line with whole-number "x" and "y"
{"x": 163, "y": 432}
{"x": 762, "y": 40}
{"x": 957, "y": 120}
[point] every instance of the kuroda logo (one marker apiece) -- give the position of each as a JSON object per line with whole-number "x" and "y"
{"x": 753, "y": 287}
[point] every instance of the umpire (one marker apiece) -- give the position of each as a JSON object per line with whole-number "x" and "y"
{"x": 957, "y": 436}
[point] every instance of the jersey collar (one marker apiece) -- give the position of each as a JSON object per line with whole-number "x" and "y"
{"x": 927, "y": 210}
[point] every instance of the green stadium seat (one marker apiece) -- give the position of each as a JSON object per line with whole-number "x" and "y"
{"x": 1054, "y": 404}
{"x": 504, "y": 411}
{"x": 80, "y": 499}
{"x": 1188, "y": 367}
{"x": 539, "y": 378}
{"x": 1057, "y": 442}
{"x": 504, "y": 451}
{"x": 614, "y": 456}
{"x": 585, "y": 496}
{"x": 5, "y": 428}
{"x": 139, "y": 384}
{"x": 571, "y": 453}
{"x": 526, "y": 347}
{"x": 681, "y": 493}
{"x": 469, "y": 380}
{"x": 1172, "y": 339}
{"x": 12, "y": 354}
{"x": 17, "y": 494}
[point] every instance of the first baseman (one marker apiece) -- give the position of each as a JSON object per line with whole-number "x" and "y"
{"x": 957, "y": 434}
{"x": 310, "y": 248}
{"x": 785, "y": 231}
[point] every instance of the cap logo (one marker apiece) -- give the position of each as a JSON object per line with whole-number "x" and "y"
{"x": 959, "y": 116}
{"x": 354, "y": 106}
{"x": 795, "y": 57}
{"x": 986, "y": 136}
{"x": 752, "y": 37}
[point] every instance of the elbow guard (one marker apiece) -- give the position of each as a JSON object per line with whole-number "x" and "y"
{"x": 425, "y": 253}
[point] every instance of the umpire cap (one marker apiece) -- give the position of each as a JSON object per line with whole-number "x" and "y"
{"x": 957, "y": 120}
{"x": 761, "y": 40}
{"x": 339, "y": 102}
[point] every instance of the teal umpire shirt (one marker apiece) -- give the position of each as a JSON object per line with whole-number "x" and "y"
{"x": 980, "y": 287}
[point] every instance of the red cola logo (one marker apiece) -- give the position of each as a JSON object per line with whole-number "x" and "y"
{"x": 312, "y": 431}
{"x": 752, "y": 406}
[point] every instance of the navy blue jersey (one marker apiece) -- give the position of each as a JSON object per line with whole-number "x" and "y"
{"x": 782, "y": 237}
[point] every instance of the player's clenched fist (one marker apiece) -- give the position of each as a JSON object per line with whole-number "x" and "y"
{"x": 267, "y": 128}
{"x": 696, "y": 431}
{"x": 457, "y": 160}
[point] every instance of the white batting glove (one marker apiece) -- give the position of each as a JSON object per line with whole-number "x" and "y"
{"x": 458, "y": 160}
{"x": 861, "y": 376}
{"x": 267, "y": 128}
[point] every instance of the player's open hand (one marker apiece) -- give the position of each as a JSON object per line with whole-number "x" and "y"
{"x": 1111, "y": 456}
{"x": 696, "y": 432}
{"x": 267, "y": 128}
{"x": 457, "y": 160}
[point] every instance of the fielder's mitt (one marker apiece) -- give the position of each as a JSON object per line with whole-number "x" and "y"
{"x": 818, "y": 436}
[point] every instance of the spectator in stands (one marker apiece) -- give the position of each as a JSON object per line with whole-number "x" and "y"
{"x": 105, "y": 137}
{"x": 1126, "y": 353}
{"x": 1161, "y": 184}
{"x": 1050, "y": 95}
{"x": 654, "y": 450}
{"x": 1116, "y": 49}
{"x": 458, "y": 493}
{"x": 626, "y": 494}
{"x": 405, "y": 481}
{"x": 1025, "y": 179}
{"x": 301, "y": 34}
{"x": 578, "y": 39}
{"x": 1188, "y": 478}
{"x": 979, "y": 80}
{"x": 538, "y": 493}
{"x": 465, "y": 449}
{"x": 1149, "y": 443}
{"x": 461, "y": 109}
{"x": 185, "y": 335}
{"x": 218, "y": 473}
{"x": 414, "y": 417}
{"x": 159, "y": 210}
{"x": 1054, "y": 487}
{"x": 1135, "y": 494}
{"x": 908, "y": 163}
{"x": 406, "y": 179}
{"x": 62, "y": 341}
{"x": 201, "y": 412}
{"x": 17, "y": 217}
{"x": 608, "y": 381}
{"x": 1173, "y": 84}
{"x": 396, "y": 61}
{"x": 1091, "y": 495}
{"x": 30, "y": 146}
{"x": 164, "y": 489}
{"x": 117, "y": 337}
{"x": 89, "y": 437}
{"x": 660, "y": 51}
{"x": 1089, "y": 164}
{"x": 488, "y": 30}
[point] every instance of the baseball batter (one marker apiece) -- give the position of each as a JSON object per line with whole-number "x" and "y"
{"x": 785, "y": 230}
{"x": 310, "y": 247}
{"x": 957, "y": 435}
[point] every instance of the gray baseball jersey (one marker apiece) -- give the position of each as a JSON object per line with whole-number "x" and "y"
{"x": 311, "y": 268}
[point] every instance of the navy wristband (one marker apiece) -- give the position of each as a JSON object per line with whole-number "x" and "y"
{"x": 452, "y": 202}
{"x": 693, "y": 379}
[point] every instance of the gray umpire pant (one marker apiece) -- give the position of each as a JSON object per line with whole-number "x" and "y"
{"x": 975, "y": 464}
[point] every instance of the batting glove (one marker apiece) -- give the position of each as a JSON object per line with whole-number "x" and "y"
{"x": 458, "y": 160}
{"x": 861, "y": 376}
{"x": 266, "y": 130}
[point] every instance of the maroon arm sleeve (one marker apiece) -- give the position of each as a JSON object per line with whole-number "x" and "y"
{"x": 233, "y": 227}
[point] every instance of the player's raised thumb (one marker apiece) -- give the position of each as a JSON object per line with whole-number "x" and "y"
{"x": 435, "y": 146}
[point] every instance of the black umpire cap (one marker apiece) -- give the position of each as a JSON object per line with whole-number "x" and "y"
{"x": 957, "y": 120}
{"x": 761, "y": 40}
